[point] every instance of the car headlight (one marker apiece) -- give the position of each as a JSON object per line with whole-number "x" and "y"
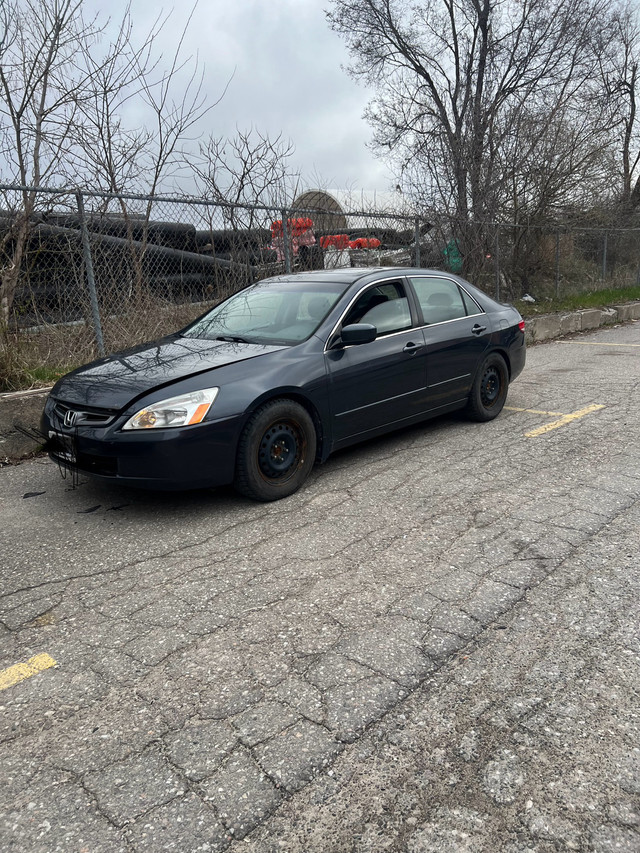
{"x": 185, "y": 410}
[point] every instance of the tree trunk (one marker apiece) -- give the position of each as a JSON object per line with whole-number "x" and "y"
{"x": 19, "y": 235}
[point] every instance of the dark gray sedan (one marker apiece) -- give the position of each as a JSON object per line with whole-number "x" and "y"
{"x": 281, "y": 374}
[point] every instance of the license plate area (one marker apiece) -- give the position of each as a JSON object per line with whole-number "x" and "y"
{"x": 62, "y": 446}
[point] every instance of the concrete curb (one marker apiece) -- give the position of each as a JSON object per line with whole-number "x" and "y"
{"x": 549, "y": 326}
{"x": 25, "y": 407}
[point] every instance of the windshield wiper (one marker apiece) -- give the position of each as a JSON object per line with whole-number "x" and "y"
{"x": 234, "y": 339}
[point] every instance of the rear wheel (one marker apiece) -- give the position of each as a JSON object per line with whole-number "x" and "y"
{"x": 276, "y": 451}
{"x": 489, "y": 390}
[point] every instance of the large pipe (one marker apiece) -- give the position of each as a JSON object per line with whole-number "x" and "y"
{"x": 149, "y": 248}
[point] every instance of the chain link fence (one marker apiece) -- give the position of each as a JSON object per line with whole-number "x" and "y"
{"x": 550, "y": 262}
{"x": 554, "y": 262}
{"x": 89, "y": 273}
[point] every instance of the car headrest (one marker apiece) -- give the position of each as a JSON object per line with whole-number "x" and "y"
{"x": 440, "y": 298}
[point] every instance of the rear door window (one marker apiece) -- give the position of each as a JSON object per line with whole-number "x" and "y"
{"x": 441, "y": 299}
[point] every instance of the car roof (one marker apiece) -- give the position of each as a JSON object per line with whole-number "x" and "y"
{"x": 346, "y": 276}
{"x": 349, "y": 275}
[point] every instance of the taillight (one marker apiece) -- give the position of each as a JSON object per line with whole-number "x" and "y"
{"x": 521, "y": 325}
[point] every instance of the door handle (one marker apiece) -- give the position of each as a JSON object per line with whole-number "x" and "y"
{"x": 478, "y": 330}
{"x": 411, "y": 347}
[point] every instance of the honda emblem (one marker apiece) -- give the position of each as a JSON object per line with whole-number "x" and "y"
{"x": 70, "y": 418}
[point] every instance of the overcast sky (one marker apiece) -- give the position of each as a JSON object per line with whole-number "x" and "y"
{"x": 284, "y": 67}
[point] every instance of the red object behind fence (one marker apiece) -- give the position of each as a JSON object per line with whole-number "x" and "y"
{"x": 364, "y": 243}
{"x": 296, "y": 227}
{"x": 342, "y": 241}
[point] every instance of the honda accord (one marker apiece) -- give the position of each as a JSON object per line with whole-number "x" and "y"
{"x": 279, "y": 375}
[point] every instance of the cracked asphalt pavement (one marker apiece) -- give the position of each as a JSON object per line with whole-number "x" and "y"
{"x": 434, "y": 646}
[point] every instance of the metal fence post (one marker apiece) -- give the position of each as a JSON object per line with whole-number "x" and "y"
{"x": 286, "y": 243}
{"x": 417, "y": 258}
{"x": 558, "y": 263}
{"x": 604, "y": 258}
{"x": 496, "y": 253}
{"x": 91, "y": 282}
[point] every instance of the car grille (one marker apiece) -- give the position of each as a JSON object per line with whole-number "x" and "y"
{"x": 70, "y": 415}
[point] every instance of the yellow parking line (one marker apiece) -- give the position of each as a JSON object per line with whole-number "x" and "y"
{"x": 19, "y": 671}
{"x": 565, "y": 419}
{"x": 534, "y": 411}
{"x": 596, "y": 344}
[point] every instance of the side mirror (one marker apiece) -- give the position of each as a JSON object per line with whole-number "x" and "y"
{"x": 358, "y": 333}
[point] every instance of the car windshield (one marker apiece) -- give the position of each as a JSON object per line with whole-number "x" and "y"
{"x": 270, "y": 313}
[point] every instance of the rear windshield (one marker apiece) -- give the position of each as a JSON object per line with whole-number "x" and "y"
{"x": 270, "y": 313}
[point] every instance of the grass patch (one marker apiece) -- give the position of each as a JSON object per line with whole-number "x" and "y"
{"x": 32, "y": 362}
{"x": 46, "y": 375}
{"x": 18, "y": 374}
{"x": 575, "y": 301}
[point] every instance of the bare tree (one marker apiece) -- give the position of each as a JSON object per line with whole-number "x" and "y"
{"x": 41, "y": 84}
{"x": 65, "y": 92}
{"x": 111, "y": 155}
{"x": 453, "y": 79}
{"x": 248, "y": 169}
{"x": 144, "y": 158}
{"x": 620, "y": 78}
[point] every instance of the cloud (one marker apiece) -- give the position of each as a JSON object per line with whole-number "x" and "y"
{"x": 282, "y": 65}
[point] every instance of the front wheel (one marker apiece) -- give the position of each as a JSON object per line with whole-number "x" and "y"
{"x": 276, "y": 451}
{"x": 489, "y": 390}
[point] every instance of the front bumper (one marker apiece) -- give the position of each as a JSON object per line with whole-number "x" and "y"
{"x": 194, "y": 457}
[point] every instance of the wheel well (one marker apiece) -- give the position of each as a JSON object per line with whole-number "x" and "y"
{"x": 506, "y": 358}
{"x": 499, "y": 352}
{"x": 302, "y": 401}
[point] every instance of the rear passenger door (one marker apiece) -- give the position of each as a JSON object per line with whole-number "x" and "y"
{"x": 456, "y": 332}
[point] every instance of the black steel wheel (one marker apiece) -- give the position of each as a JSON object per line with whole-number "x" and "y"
{"x": 489, "y": 390}
{"x": 276, "y": 451}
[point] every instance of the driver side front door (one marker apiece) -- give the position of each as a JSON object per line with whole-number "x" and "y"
{"x": 381, "y": 383}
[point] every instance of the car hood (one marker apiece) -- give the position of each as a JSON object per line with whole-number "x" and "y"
{"x": 114, "y": 381}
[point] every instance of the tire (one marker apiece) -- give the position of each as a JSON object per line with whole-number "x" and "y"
{"x": 276, "y": 451}
{"x": 489, "y": 389}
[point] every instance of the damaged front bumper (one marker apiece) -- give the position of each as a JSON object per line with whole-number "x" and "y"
{"x": 193, "y": 457}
